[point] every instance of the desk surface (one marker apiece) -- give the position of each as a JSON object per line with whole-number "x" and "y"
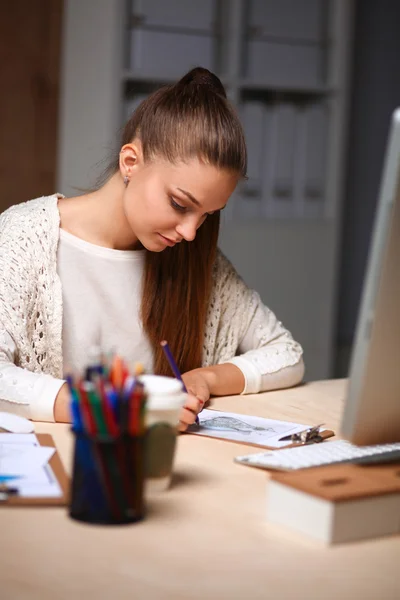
{"x": 207, "y": 537}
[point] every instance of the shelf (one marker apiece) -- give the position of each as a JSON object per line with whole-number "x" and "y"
{"x": 140, "y": 77}
{"x": 268, "y": 86}
{"x": 285, "y": 41}
{"x": 129, "y": 76}
{"x": 246, "y": 85}
{"x": 175, "y": 29}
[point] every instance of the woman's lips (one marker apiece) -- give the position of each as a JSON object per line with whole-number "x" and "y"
{"x": 167, "y": 240}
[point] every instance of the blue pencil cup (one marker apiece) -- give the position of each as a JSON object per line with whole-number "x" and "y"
{"x": 108, "y": 479}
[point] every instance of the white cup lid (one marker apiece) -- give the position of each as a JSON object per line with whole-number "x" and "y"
{"x": 165, "y": 393}
{"x": 160, "y": 385}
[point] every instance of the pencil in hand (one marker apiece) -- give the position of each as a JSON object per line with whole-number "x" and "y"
{"x": 174, "y": 367}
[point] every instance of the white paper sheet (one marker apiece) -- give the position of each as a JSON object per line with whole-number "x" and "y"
{"x": 21, "y": 454}
{"x": 17, "y": 459}
{"x": 245, "y": 428}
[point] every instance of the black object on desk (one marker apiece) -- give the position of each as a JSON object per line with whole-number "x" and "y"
{"x": 108, "y": 479}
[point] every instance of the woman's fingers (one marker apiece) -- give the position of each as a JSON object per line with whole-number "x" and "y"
{"x": 189, "y": 412}
{"x": 186, "y": 418}
{"x": 200, "y": 391}
{"x": 193, "y": 403}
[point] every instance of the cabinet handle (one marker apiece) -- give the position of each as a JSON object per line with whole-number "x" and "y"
{"x": 137, "y": 20}
{"x": 255, "y": 31}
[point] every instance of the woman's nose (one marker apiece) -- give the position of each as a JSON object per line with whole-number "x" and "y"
{"x": 187, "y": 229}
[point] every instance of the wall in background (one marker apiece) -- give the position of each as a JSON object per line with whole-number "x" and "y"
{"x": 375, "y": 94}
{"x": 291, "y": 266}
{"x": 91, "y": 89}
{"x": 30, "y": 44}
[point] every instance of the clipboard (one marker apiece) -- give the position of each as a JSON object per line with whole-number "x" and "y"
{"x": 57, "y": 467}
{"x": 322, "y": 435}
{"x": 327, "y": 433}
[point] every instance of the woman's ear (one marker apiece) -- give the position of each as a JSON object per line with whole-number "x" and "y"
{"x": 130, "y": 158}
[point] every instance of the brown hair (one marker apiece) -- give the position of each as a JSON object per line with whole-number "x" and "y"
{"x": 191, "y": 118}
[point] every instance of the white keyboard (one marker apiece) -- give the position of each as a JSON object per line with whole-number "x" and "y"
{"x": 325, "y": 453}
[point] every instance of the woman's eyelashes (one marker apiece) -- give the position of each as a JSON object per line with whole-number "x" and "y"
{"x": 176, "y": 206}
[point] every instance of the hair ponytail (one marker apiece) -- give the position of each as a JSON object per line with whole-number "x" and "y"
{"x": 203, "y": 77}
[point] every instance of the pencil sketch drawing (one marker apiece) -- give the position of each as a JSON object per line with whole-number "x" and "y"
{"x": 232, "y": 424}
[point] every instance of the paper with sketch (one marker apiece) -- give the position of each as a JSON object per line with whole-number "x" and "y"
{"x": 245, "y": 428}
{"x": 22, "y": 455}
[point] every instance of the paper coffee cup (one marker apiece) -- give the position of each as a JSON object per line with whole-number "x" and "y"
{"x": 165, "y": 400}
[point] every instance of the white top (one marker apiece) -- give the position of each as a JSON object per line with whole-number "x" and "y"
{"x": 60, "y": 295}
{"x": 101, "y": 298}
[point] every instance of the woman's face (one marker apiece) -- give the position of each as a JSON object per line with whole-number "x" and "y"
{"x": 166, "y": 203}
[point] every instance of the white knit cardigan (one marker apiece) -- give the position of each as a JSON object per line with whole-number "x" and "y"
{"x": 31, "y": 299}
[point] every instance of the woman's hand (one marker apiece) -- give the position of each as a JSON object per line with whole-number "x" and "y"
{"x": 198, "y": 394}
{"x": 62, "y": 413}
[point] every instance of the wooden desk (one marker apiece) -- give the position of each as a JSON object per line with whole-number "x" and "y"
{"x": 207, "y": 537}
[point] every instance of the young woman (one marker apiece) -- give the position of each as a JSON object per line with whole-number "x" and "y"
{"x": 135, "y": 262}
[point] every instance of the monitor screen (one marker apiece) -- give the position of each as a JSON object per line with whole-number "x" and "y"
{"x": 372, "y": 408}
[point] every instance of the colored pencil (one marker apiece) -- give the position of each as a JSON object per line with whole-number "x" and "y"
{"x": 172, "y": 363}
{"x": 5, "y": 478}
{"x": 174, "y": 367}
{"x": 107, "y": 407}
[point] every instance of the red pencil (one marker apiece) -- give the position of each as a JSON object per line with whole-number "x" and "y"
{"x": 108, "y": 413}
{"x": 88, "y": 417}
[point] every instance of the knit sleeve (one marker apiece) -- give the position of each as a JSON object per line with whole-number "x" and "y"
{"x": 264, "y": 349}
{"x": 22, "y": 392}
{"x": 268, "y": 356}
{"x": 18, "y": 279}
{"x": 30, "y": 291}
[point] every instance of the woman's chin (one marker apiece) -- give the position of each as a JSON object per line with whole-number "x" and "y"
{"x": 154, "y": 244}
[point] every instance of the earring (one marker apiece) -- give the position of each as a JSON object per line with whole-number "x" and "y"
{"x": 126, "y": 180}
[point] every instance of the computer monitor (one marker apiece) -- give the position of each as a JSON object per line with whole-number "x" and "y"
{"x": 372, "y": 408}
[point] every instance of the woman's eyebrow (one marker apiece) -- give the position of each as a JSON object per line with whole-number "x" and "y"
{"x": 193, "y": 199}
{"x": 189, "y": 195}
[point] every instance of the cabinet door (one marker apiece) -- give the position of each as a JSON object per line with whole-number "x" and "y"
{"x": 284, "y": 64}
{"x": 168, "y": 54}
{"x": 293, "y": 19}
{"x": 285, "y": 42}
{"x": 175, "y": 13}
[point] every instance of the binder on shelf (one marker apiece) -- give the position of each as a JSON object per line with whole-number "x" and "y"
{"x": 270, "y": 142}
{"x": 316, "y": 156}
{"x": 299, "y": 166}
{"x": 249, "y": 199}
{"x": 282, "y": 157}
{"x": 253, "y": 123}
